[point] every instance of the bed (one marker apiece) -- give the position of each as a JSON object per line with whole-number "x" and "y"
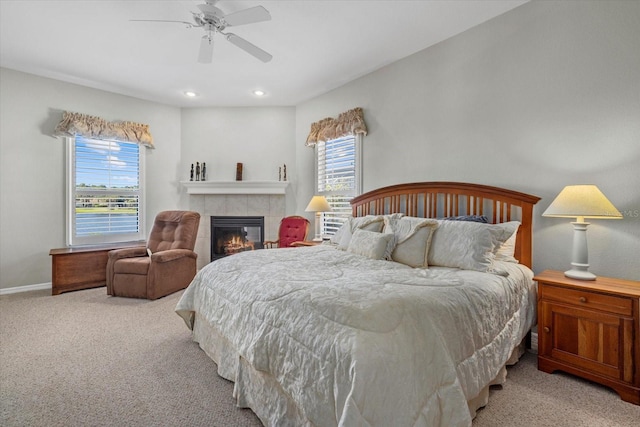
{"x": 405, "y": 318}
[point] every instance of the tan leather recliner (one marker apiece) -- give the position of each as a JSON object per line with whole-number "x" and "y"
{"x": 170, "y": 266}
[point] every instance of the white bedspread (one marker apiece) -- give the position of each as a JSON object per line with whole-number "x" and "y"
{"x": 357, "y": 342}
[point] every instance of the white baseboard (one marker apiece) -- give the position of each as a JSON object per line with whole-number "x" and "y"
{"x": 27, "y": 288}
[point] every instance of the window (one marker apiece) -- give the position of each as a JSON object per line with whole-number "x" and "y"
{"x": 105, "y": 191}
{"x": 338, "y": 178}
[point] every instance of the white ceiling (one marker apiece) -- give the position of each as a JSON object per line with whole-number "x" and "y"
{"x": 316, "y": 45}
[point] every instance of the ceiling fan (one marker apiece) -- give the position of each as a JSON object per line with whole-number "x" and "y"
{"x": 213, "y": 20}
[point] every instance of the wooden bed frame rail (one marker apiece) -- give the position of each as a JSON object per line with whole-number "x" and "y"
{"x": 444, "y": 199}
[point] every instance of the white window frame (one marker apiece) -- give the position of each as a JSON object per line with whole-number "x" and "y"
{"x": 356, "y": 191}
{"x": 71, "y": 238}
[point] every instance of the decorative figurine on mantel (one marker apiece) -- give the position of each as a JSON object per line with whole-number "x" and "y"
{"x": 204, "y": 172}
{"x": 285, "y": 172}
{"x": 197, "y": 171}
{"x": 191, "y": 175}
{"x": 279, "y": 174}
{"x": 239, "y": 172}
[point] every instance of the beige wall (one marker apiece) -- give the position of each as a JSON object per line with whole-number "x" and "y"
{"x": 32, "y": 172}
{"x": 543, "y": 96}
{"x": 261, "y": 138}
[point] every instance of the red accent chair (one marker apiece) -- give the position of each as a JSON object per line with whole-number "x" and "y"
{"x": 166, "y": 265}
{"x": 292, "y": 229}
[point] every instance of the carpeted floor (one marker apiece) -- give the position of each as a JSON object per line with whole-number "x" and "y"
{"x": 86, "y": 359}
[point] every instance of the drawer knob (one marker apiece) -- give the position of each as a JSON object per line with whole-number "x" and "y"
{"x": 546, "y": 329}
{"x": 583, "y": 299}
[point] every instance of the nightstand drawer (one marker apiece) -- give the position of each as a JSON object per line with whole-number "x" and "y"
{"x": 592, "y": 300}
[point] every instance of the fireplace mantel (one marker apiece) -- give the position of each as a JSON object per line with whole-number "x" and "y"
{"x": 235, "y": 187}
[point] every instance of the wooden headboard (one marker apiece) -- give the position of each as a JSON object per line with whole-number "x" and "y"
{"x": 443, "y": 199}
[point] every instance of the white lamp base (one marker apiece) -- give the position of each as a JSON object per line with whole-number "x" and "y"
{"x": 580, "y": 255}
{"x": 580, "y": 274}
{"x": 318, "y": 237}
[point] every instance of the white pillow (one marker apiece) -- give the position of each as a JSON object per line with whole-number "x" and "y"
{"x": 411, "y": 240}
{"x": 369, "y": 223}
{"x": 506, "y": 251}
{"x": 393, "y": 216}
{"x": 335, "y": 239}
{"x": 369, "y": 243}
{"x": 468, "y": 245}
{"x": 389, "y": 221}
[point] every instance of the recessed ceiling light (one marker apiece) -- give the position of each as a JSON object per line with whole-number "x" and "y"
{"x": 190, "y": 94}
{"x": 258, "y": 92}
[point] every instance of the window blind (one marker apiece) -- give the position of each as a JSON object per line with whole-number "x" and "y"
{"x": 337, "y": 179}
{"x": 106, "y": 192}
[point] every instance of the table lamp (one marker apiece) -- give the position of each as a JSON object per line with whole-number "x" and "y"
{"x": 580, "y": 202}
{"x": 318, "y": 204}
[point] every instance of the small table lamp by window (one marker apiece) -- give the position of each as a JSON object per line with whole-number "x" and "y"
{"x": 581, "y": 201}
{"x": 318, "y": 204}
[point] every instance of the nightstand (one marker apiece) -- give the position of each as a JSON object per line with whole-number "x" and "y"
{"x": 591, "y": 328}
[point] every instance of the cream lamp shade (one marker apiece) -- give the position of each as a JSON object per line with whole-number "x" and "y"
{"x": 318, "y": 204}
{"x": 580, "y": 202}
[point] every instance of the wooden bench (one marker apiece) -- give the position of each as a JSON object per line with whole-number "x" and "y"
{"x": 85, "y": 267}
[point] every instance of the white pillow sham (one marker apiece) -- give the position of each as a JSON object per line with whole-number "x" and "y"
{"x": 506, "y": 251}
{"x": 370, "y": 223}
{"x": 369, "y": 243}
{"x": 411, "y": 240}
{"x": 468, "y": 245}
{"x": 335, "y": 239}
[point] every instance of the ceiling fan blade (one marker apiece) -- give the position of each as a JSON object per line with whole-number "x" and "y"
{"x": 189, "y": 24}
{"x": 247, "y": 16}
{"x": 206, "y": 50}
{"x": 249, "y": 47}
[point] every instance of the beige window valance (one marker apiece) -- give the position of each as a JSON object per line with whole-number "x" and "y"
{"x": 348, "y": 123}
{"x": 76, "y": 124}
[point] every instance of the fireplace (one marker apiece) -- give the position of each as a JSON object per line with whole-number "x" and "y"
{"x": 234, "y": 234}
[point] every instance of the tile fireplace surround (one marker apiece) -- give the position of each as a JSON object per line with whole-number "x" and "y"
{"x": 207, "y": 200}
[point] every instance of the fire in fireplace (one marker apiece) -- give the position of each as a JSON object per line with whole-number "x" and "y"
{"x": 234, "y": 234}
